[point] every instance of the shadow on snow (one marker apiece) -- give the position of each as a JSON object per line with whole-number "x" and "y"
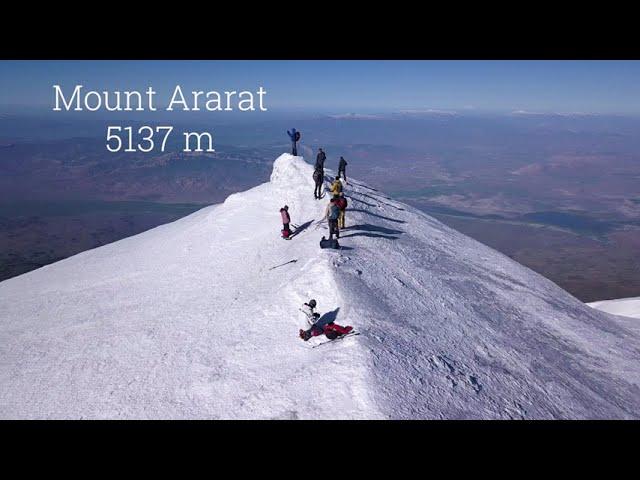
{"x": 301, "y": 228}
{"x": 376, "y": 215}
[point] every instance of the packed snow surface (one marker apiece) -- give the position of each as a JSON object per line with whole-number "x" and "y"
{"x": 199, "y": 319}
{"x": 627, "y": 307}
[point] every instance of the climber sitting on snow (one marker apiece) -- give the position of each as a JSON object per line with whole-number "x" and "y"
{"x": 308, "y": 309}
{"x": 330, "y": 329}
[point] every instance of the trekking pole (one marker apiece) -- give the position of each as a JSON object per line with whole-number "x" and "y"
{"x": 318, "y": 223}
{"x": 305, "y": 314}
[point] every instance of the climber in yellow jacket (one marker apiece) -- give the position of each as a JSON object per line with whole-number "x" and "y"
{"x": 336, "y": 187}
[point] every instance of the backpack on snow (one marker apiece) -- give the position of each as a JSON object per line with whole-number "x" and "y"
{"x": 324, "y": 243}
{"x": 317, "y": 176}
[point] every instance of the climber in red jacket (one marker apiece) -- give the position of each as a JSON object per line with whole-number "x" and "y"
{"x": 331, "y": 330}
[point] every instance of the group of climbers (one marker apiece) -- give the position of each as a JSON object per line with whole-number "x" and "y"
{"x": 335, "y": 216}
{"x": 321, "y": 157}
{"x": 337, "y": 206}
{"x": 334, "y": 213}
{"x": 336, "y": 209}
{"x": 316, "y": 327}
{"x": 318, "y": 173}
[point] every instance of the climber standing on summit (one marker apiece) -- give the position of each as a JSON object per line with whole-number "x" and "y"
{"x": 342, "y": 172}
{"x": 318, "y": 178}
{"x": 320, "y": 158}
{"x": 332, "y": 213}
{"x": 294, "y": 135}
{"x": 336, "y": 187}
{"x": 318, "y": 174}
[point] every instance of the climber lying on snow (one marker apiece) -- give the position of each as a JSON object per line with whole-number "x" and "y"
{"x": 331, "y": 330}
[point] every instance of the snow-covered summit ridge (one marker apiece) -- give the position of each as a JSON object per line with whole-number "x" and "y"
{"x": 199, "y": 319}
{"x": 289, "y": 171}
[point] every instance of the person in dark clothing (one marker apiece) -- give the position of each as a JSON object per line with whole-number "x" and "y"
{"x": 332, "y": 213}
{"x": 286, "y": 219}
{"x": 342, "y": 172}
{"x": 320, "y": 158}
{"x": 318, "y": 174}
{"x": 318, "y": 178}
{"x": 294, "y": 135}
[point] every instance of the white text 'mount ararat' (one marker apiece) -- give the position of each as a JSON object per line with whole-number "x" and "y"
{"x": 80, "y": 99}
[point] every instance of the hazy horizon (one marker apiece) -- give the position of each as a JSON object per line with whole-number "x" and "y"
{"x": 598, "y": 87}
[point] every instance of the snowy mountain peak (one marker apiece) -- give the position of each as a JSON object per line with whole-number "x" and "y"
{"x": 291, "y": 171}
{"x": 199, "y": 319}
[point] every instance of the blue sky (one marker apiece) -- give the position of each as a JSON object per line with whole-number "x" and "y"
{"x": 352, "y": 86}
